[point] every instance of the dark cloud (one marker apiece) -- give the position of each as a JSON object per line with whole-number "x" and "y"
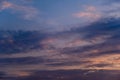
{"x": 23, "y": 61}
{"x": 2, "y": 74}
{"x": 70, "y": 63}
{"x": 20, "y": 41}
{"x": 93, "y": 46}
{"x": 99, "y": 65}
{"x": 71, "y": 75}
{"x": 105, "y": 26}
{"x": 103, "y": 49}
{"x": 100, "y": 29}
{"x": 105, "y": 30}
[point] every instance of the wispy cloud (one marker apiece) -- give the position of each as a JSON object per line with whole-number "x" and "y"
{"x": 101, "y": 11}
{"x": 88, "y": 13}
{"x": 112, "y": 10}
{"x": 27, "y": 12}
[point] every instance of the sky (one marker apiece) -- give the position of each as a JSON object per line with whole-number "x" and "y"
{"x": 53, "y": 15}
{"x": 58, "y": 35}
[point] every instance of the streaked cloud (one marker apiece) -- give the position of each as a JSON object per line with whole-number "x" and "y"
{"x": 94, "y": 46}
{"x": 90, "y": 47}
{"x": 89, "y": 12}
{"x": 27, "y": 12}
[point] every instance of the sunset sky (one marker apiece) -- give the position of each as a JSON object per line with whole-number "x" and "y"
{"x": 54, "y": 14}
{"x": 64, "y": 35}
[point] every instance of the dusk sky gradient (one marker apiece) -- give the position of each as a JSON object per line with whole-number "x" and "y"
{"x": 52, "y": 35}
{"x": 56, "y": 14}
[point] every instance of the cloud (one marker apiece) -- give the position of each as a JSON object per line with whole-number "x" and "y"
{"x": 112, "y": 10}
{"x": 70, "y": 75}
{"x": 94, "y": 46}
{"x": 21, "y": 41}
{"x": 89, "y": 43}
{"x": 88, "y": 13}
{"x": 107, "y": 30}
{"x": 91, "y": 12}
{"x": 27, "y": 12}
{"x": 21, "y": 61}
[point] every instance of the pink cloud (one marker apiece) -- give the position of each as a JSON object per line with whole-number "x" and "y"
{"x": 87, "y": 15}
{"x": 27, "y": 12}
{"x": 89, "y": 12}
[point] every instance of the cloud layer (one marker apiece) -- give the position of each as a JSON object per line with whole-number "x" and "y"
{"x": 93, "y": 45}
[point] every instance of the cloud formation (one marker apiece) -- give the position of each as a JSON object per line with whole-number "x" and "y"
{"x": 27, "y": 12}
{"x": 90, "y": 47}
{"x": 89, "y": 12}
